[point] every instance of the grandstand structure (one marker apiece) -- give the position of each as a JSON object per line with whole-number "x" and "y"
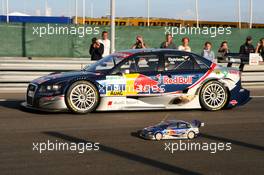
{"x": 126, "y": 21}
{"x": 132, "y": 21}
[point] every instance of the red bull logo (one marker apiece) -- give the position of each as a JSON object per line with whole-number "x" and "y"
{"x": 146, "y": 84}
{"x": 178, "y": 80}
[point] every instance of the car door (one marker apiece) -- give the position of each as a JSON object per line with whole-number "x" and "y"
{"x": 171, "y": 130}
{"x": 176, "y": 129}
{"x": 145, "y": 79}
{"x": 180, "y": 71}
{"x": 138, "y": 75}
{"x": 181, "y": 129}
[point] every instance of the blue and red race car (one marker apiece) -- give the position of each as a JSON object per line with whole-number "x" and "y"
{"x": 172, "y": 129}
{"x": 140, "y": 80}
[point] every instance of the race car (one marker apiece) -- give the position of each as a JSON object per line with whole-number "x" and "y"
{"x": 172, "y": 129}
{"x": 140, "y": 79}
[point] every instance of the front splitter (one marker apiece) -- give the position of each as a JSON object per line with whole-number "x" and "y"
{"x": 28, "y": 107}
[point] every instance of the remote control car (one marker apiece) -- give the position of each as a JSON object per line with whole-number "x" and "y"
{"x": 172, "y": 129}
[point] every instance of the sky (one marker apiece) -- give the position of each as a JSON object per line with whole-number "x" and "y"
{"x": 212, "y": 10}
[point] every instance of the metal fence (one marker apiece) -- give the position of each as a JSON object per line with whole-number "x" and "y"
{"x": 15, "y": 74}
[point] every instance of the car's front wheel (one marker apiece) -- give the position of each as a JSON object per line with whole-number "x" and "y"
{"x": 158, "y": 136}
{"x": 82, "y": 97}
{"x": 191, "y": 135}
{"x": 213, "y": 96}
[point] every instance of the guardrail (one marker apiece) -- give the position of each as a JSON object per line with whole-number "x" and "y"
{"x": 15, "y": 74}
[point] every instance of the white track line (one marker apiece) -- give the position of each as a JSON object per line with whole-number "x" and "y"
{"x": 257, "y": 96}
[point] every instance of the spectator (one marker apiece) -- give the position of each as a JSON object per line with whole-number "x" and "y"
{"x": 223, "y": 49}
{"x": 208, "y": 53}
{"x": 140, "y": 44}
{"x": 168, "y": 43}
{"x": 96, "y": 49}
{"x": 185, "y": 45}
{"x": 245, "y": 50}
{"x": 260, "y": 47}
{"x": 247, "y": 47}
{"x": 106, "y": 42}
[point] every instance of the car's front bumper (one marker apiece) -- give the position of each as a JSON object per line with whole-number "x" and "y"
{"x": 50, "y": 104}
{"x": 146, "y": 135}
{"x": 43, "y": 102}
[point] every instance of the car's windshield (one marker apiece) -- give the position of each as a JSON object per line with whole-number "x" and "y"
{"x": 162, "y": 125}
{"x": 107, "y": 63}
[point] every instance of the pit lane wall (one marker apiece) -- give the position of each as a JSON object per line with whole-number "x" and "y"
{"x": 58, "y": 40}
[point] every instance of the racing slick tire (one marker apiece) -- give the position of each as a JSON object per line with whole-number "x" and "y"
{"x": 158, "y": 136}
{"x": 82, "y": 97}
{"x": 213, "y": 96}
{"x": 191, "y": 135}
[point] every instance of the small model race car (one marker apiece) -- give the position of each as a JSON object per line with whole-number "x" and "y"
{"x": 172, "y": 129}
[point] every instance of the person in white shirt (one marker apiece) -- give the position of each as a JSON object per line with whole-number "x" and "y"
{"x": 106, "y": 42}
{"x": 185, "y": 45}
{"x": 208, "y": 53}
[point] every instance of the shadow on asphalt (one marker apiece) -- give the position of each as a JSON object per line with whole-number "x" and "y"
{"x": 11, "y": 104}
{"x": 126, "y": 155}
{"x": 216, "y": 138}
{"x": 16, "y": 105}
{"x": 137, "y": 135}
{"x": 235, "y": 142}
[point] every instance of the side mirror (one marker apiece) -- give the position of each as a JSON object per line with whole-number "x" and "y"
{"x": 103, "y": 64}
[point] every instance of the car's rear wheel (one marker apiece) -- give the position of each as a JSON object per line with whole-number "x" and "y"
{"x": 191, "y": 135}
{"x": 158, "y": 136}
{"x": 213, "y": 96}
{"x": 82, "y": 97}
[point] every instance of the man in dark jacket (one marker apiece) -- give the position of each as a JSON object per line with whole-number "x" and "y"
{"x": 245, "y": 50}
{"x": 247, "y": 47}
{"x": 96, "y": 49}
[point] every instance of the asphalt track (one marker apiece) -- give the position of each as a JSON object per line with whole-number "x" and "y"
{"x": 120, "y": 150}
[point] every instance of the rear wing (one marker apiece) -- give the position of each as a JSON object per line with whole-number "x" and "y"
{"x": 197, "y": 123}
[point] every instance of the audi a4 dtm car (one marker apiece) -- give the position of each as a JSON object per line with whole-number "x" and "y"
{"x": 141, "y": 79}
{"x": 172, "y": 129}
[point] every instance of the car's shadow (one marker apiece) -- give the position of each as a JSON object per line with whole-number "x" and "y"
{"x": 17, "y": 105}
{"x": 209, "y": 138}
{"x": 136, "y": 134}
{"x": 11, "y": 104}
